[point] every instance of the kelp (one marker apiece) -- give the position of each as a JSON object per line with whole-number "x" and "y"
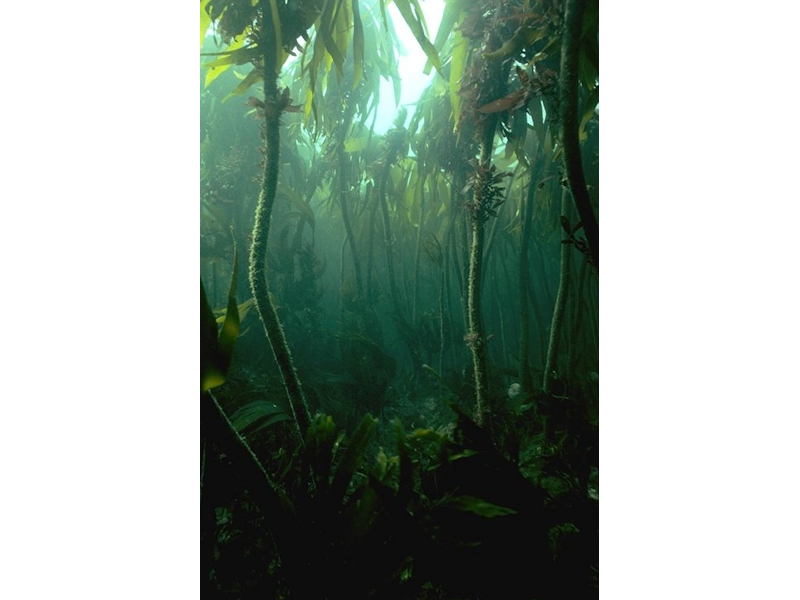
{"x": 491, "y": 502}
{"x": 217, "y": 349}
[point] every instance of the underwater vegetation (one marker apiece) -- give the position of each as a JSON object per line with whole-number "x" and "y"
{"x": 399, "y": 392}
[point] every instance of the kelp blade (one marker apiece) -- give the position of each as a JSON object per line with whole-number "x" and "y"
{"x": 211, "y": 373}
{"x": 216, "y": 352}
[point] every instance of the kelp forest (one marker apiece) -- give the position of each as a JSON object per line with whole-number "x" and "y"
{"x": 399, "y": 324}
